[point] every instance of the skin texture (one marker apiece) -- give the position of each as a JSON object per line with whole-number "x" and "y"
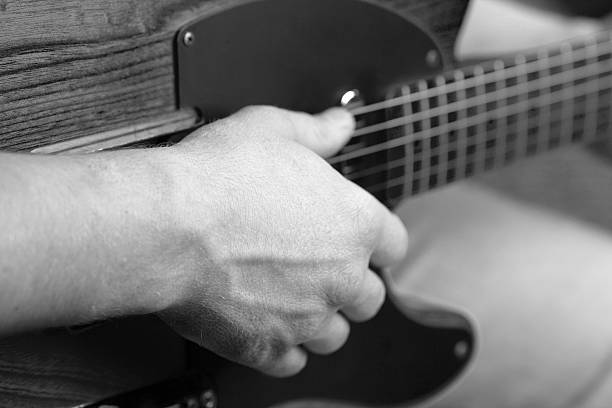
{"x": 241, "y": 238}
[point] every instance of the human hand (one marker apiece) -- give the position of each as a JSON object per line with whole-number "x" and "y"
{"x": 278, "y": 243}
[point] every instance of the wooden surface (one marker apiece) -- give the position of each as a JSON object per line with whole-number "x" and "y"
{"x": 74, "y": 68}
{"x": 58, "y": 368}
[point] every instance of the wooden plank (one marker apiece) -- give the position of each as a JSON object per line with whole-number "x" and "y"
{"x": 60, "y": 369}
{"x": 72, "y": 68}
{"x": 129, "y": 135}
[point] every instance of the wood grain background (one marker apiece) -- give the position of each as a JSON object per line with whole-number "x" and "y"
{"x": 73, "y": 68}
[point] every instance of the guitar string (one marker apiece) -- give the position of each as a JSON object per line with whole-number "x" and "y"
{"x": 489, "y": 134}
{"x": 400, "y": 163}
{"x": 508, "y": 92}
{"x": 493, "y": 149}
{"x": 492, "y": 157}
{"x": 503, "y": 112}
{"x": 388, "y": 186}
{"x": 486, "y": 99}
{"x": 481, "y": 100}
{"x": 535, "y": 126}
{"x": 574, "y": 135}
{"x": 399, "y": 181}
{"x": 497, "y": 66}
{"x": 477, "y": 101}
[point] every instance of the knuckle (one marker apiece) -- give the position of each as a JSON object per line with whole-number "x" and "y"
{"x": 366, "y": 216}
{"x": 380, "y": 293}
{"x": 377, "y": 294}
{"x": 260, "y": 111}
{"x": 309, "y": 327}
{"x": 346, "y": 287}
{"x": 276, "y": 120}
{"x": 261, "y": 352}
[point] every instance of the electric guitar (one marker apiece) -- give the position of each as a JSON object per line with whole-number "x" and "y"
{"x": 423, "y": 123}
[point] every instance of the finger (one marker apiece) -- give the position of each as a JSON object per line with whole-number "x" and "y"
{"x": 391, "y": 244}
{"x": 331, "y": 337}
{"x": 324, "y": 134}
{"x": 336, "y": 126}
{"x": 369, "y": 300}
{"x": 287, "y": 365}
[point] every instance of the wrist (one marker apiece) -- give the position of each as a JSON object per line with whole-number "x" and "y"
{"x": 145, "y": 263}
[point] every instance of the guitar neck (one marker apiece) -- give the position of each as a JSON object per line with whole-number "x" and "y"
{"x": 483, "y": 117}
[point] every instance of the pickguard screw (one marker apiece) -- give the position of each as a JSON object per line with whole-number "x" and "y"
{"x": 433, "y": 58}
{"x": 209, "y": 399}
{"x": 349, "y": 97}
{"x": 188, "y": 39}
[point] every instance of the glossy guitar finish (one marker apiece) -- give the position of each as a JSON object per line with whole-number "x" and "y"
{"x": 389, "y": 360}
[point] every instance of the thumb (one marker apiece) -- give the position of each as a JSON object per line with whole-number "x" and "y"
{"x": 325, "y": 133}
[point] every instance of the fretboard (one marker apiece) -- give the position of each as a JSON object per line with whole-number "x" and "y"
{"x": 470, "y": 120}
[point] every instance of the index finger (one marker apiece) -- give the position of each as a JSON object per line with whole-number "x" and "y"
{"x": 391, "y": 245}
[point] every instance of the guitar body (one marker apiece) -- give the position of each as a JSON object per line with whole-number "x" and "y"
{"x": 130, "y": 75}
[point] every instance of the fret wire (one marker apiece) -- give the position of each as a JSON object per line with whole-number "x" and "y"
{"x": 402, "y": 162}
{"x": 460, "y": 133}
{"x": 592, "y": 101}
{"x": 554, "y": 61}
{"x": 443, "y": 139}
{"x": 523, "y": 114}
{"x": 501, "y": 132}
{"x": 392, "y": 183}
{"x": 546, "y": 111}
{"x": 609, "y": 112}
{"x": 444, "y": 182}
{"x": 578, "y": 72}
{"x": 480, "y": 131}
{"x": 503, "y": 111}
{"x": 568, "y": 104}
{"x": 380, "y": 168}
{"x": 493, "y": 157}
{"x": 400, "y": 180}
{"x": 409, "y": 171}
{"x": 425, "y": 151}
{"x": 508, "y": 92}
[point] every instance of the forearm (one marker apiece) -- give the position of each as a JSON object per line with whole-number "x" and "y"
{"x": 81, "y": 239}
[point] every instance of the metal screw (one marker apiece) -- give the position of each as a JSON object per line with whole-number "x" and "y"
{"x": 188, "y": 39}
{"x": 433, "y": 58}
{"x": 209, "y": 399}
{"x": 349, "y": 97}
{"x": 461, "y": 350}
